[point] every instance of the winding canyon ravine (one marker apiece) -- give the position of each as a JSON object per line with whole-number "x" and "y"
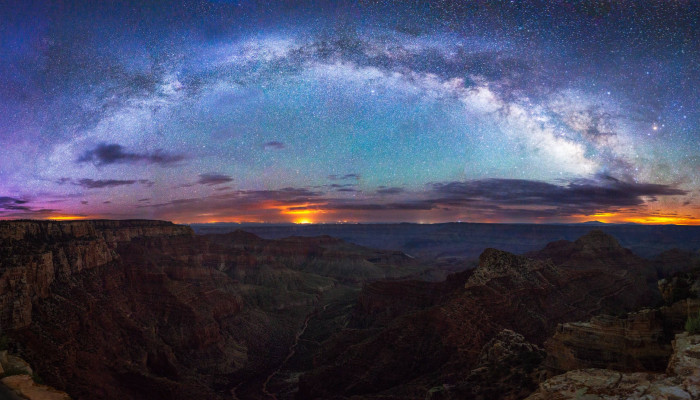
{"x": 292, "y": 350}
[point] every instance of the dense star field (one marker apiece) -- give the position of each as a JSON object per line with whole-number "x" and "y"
{"x": 325, "y": 111}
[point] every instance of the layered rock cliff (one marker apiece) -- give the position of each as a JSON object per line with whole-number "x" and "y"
{"x": 681, "y": 380}
{"x": 638, "y": 341}
{"x": 112, "y": 231}
{"x": 34, "y": 254}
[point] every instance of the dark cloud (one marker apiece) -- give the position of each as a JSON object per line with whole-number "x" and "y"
{"x": 84, "y": 202}
{"x": 10, "y": 201}
{"x": 516, "y": 198}
{"x": 176, "y": 202}
{"x": 344, "y": 177}
{"x": 582, "y": 195}
{"x": 29, "y": 213}
{"x": 103, "y": 183}
{"x": 508, "y": 199}
{"x": 106, "y": 154}
{"x": 244, "y": 199}
{"x": 362, "y": 206}
{"x": 390, "y": 190}
{"x": 14, "y": 204}
{"x": 213, "y": 179}
{"x": 284, "y": 196}
{"x": 274, "y": 145}
{"x": 11, "y": 207}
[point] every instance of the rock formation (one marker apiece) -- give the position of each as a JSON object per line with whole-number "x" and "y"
{"x": 437, "y": 345}
{"x": 18, "y": 376}
{"x": 637, "y": 342}
{"x": 681, "y": 380}
{"x": 25, "y": 386}
{"x": 508, "y": 368}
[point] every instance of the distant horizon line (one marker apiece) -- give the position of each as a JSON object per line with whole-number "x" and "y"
{"x": 592, "y": 223}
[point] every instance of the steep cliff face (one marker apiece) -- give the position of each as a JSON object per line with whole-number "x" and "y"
{"x": 143, "y": 326}
{"x": 111, "y": 231}
{"x": 34, "y": 254}
{"x": 439, "y": 344}
{"x": 681, "y": 380}
{"x": 638, "y": 342}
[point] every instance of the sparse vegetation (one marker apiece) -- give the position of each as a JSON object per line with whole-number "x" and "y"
{"x": 37, "y": 379}
{"x": 13, "y": 371}
{"x": 4, "y": 342}
{"x": 692, "y": 325}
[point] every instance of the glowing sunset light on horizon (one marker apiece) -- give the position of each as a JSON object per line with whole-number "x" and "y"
{"x": 68, "y": 218}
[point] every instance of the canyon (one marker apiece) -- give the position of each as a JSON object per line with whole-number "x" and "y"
{"x": 148, "y": 309}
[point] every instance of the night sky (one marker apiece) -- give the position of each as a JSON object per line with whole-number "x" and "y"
{"x": 508, "y": 111}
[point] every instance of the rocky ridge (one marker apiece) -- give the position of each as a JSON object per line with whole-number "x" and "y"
{"x": 437, "y": 345}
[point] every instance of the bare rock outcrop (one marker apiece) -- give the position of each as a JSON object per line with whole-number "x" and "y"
{"x": 638, "y": 342}
{"x": 681, "y": 380}
{"x": 18, "y": 376}
{"x": 26, "y": 387}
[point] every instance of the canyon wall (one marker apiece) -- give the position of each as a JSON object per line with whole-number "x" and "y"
{"x": 34, "y": 254}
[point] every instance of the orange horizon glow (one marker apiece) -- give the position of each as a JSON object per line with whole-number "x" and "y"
{"x": 316, "y": 217}
{"x": 304, "y": 215}
{"x": 308, "y": 213}
{"x": 656, "y": 219}
{"x": 68, "y": 218}
{"x": 642, "y": 220}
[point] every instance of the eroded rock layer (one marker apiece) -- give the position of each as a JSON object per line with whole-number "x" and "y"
{"x": 680, "y": 382}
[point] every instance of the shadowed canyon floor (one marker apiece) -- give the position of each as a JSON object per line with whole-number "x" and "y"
{"x": 147, "y": 309}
